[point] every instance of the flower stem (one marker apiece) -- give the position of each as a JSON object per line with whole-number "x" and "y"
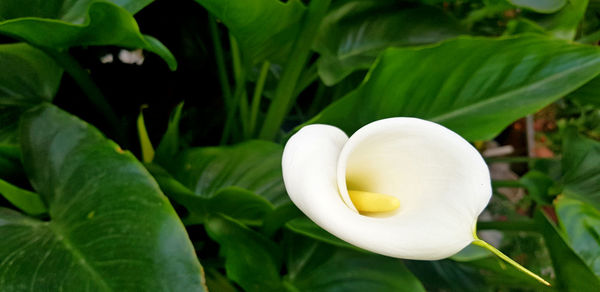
{"x": 284, "y": 93}
{"x": 258, "y": 89}
{"x": 498, "y": 253}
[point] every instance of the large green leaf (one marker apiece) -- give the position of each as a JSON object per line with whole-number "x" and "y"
{"x": 60, "y": 24}
{"x": 581, "y": 167}
{"x": 251, "y": 260}
{"x": 572, "y": 274}
{"x": 315, "y": 266}
{"x": 240, "y": 204}
{"x": 28, "y": 77}
{"x": 581, "y": 222}
{"x": 474, "y": 86}
{"x": 354, "y": 33}
{"x": 253, "y": 165}
{"x": 265, "y": 29}
{"x": 110, "y": 227}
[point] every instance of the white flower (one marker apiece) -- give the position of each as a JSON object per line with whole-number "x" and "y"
{"x": 439, "y": 180}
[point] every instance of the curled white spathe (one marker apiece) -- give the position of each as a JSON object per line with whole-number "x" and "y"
{"x": 441, "y": 181}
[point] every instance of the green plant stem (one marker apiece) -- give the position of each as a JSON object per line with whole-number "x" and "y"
{"x": 498, "y": 253}
{"x": 520, "y": 225}
{"x": 222, "y": 71}
{"x": 83, "y": 79}
{"x": 284, "y": 93}
{"x": 240, "y": 79}
{"x": 256, "y": 97}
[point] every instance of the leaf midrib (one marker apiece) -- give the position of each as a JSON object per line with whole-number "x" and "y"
{"x": 82, "y": 260}
{"x": 509, "y": 94}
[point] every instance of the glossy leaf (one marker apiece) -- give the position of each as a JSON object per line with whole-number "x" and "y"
{"x": 28, "y": 77}
{"x": 25, "y": 200}
{"x": 251, "y": 260}
{"x": 474, "y": 86}
{"x": 542, "y": 6}
{"x": 354, "y": 33}
{"x": 265, "y": 29}
{"x": 315, "y": 266}
{"x": 581, "y": 222}
{"x": 60, "y": 24}
{"x": 564, "y": 23}
{"x": 571, "y": 271}
{"x": 253, "y": 165}
{"x": 240, "y": 204}
{"x": 110, "y": 227}
{"x": 581, "y": 167}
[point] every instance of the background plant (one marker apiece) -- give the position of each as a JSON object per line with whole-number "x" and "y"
{"x": 224, "y": 83}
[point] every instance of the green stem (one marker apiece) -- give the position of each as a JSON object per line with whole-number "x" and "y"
{"x": 256, "y": 97}
{"x": 240, "y": 79}
{"x": 83, "y": 79}
{"x": 222, "y": 71}
{"x": 284, "y": 93}
{"x": 498, "y": 253}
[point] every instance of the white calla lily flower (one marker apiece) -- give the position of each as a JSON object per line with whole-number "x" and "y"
{"x": 401, "y": 187}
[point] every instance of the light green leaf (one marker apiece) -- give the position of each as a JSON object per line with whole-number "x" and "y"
{"x": 61, "y": 24}
{"x": 541, "y": 6}
{"x": 253, "y": 165}
{"x": 169, "y": 144}
{"x": 28, "y": 77}
{"x": 251, "y": 260}
{"x": 581, "y": 222}
{"x": 474, "y": 86}
{"x": 25, "y": 200}
{"x": 110, "y": 227}
{"x": 564, "y": 23}
{"x": 265, "y": 29}
{"x": 314, "y": 266}
{"x": 572, "y": 274}
{"x": 581, "y": 167}
{"x": 354, "y": 33}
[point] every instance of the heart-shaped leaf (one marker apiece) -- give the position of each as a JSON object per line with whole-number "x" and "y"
{"x": 315, "y": 266}
{"x": 110, "y": 227}
{"x": 474, "y": 86}
{"x": 581, "y": 167}
{"x": 251, "y": 260}
{"x": 253, "y": 165}
{"x": 354, "y": 32}
{"x": 240, "y": 204}
{"x": 571, "y": 271}
{"x": 60, "y": 24}
{"x": 582, "y": 225}
{"x": 29, "y": 77}
{"x": 265, "y": 29}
